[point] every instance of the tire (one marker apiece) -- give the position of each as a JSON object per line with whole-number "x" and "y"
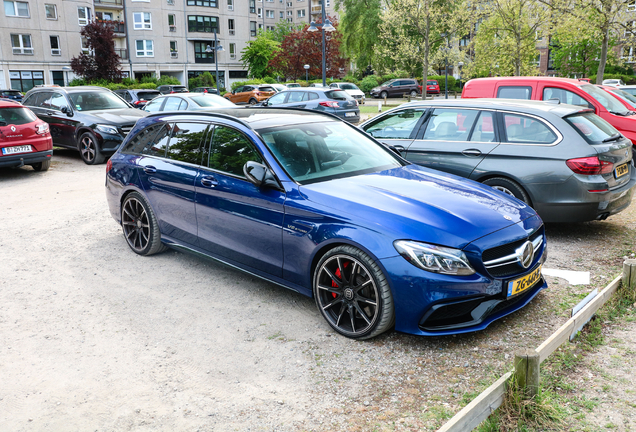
{"x": 42, "y": 166}
{"x": 508, "y": 187}
{"x": 253, "y": 101}
{"x": 140, "y": 226}
{"x": 89, "y": 151}
{"x": 383, "y": 95}
{"x": 359, "y": 307}
{"x": 413, "y": 93}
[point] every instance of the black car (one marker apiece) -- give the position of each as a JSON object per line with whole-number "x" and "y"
{"x": 167, "y": 89}
{"x": 138, "y": 97}
{"x": 211, "y": 90}
{"x": 11, "y": 94}
{"x": 333, "y": 101}
{"x": 92, "y": 120}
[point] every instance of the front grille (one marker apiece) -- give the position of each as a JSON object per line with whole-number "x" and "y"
{"x": 125, "y": 129}
{"x": 502, "y": 261}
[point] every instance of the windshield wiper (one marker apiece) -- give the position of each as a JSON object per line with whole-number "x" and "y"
{"x": 623, "y": 114}
{"x": 612, "y": 138}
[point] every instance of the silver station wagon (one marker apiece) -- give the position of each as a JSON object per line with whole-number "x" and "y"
{"x": 563, "y": 160}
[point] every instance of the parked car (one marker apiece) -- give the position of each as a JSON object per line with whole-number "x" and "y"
{"x": 11, "y": 94}
{"x": 90, "y": 119}
{"x": 432, "y": 87}
{"x": 24, "y": 139}
{"x": 351, "y": 89}
{"x": 292, "y": 85}
{"x": 315, "y": 205}
{"x": 396, "y": 87}
{"x": 587, "y": 80}
{"x": 211, "y": 90}
{"x": 613, "y": 82}
{"x": 169, "y": 89}
{"x": 563, "y": 160}
{"x": 631, "y": 89}
{"x": 333, "y": 101}
{"x": 250, "y": 94}
{"x": 187, "y": 102}
{"x": 138, "y": 98}
{"x": 318, "y": 85}
{"x": 279, "y": 87}
{"x": 564, "y": 90}
{"x": 627, "y": 99}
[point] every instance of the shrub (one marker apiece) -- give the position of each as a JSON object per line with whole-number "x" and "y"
{"x": 242, "y": 83}
{"x": 168, "y": 80}
{"x": 368, "y": 83}
{"x": 269, "y": 80}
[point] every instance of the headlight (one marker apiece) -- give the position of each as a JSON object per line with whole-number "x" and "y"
{"x": 107, "y": 129}
{"x": 436, "y": 259}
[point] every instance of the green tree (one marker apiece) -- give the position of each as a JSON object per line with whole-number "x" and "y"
{"x": 359, "y": 27}
{"x": 257, "y": 54}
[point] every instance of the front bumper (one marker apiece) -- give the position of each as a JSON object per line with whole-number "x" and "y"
{"x": 21, "y": 159}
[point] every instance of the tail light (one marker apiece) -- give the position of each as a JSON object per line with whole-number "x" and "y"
{"x": 330, "y": 104}
{"x": 137, "y": 102}
{"x": 42, "y": 128}
{"x": 109, "y": 165}
{"x": 590, "y": 166}
{"x": 257, "y": 93}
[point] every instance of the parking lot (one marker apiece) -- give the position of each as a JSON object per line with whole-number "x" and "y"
{"x": 95, "y": 337}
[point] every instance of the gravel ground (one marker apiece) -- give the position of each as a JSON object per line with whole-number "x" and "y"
{"x": 94, "y": 337}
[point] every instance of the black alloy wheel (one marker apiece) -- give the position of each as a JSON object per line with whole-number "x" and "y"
{"x": 140, "y": 226}
{"x": 352, "y": 294}
{"x": 88, "y": 149}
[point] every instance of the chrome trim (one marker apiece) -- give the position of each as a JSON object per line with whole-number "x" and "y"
{"x": 514, "y": 257}
{"x": 542, "y": 120}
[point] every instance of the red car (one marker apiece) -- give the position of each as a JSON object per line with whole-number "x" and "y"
{"x": 24, "y": 139}
{"x": 432, "y": 87}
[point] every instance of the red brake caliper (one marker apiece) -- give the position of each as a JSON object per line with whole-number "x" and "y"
{"x": 337, "y": 273}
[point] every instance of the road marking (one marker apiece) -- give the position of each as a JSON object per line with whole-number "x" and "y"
{"x": 573, "y": 277}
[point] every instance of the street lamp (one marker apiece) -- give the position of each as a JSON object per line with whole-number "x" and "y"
{"x": 217, "y": 48}
{"x": 326, "y": 26}
{"x": 306, "y": 73}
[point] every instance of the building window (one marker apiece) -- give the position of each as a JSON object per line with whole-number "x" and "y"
{"x": 253, "y": 28}
{"x": 201, "y": 54}
{"x": 260, "y": 12}
{"x": 21, "y": 44}
{"x": 290, "y": 20}
{"x": 174, "y": 52}
{"x": 230, "y": 4}
{"x": 230, "y": 26}
{"x": 16, "y": 8}
{"x": 51, "y": 11}
{"x": 55, "y": 45}
{"x": 202, "y": 23}
{"x": 289, "y": 13}
{"x": 281, "y": 15}
{"x": 142, "y": 21}
{"x": 631, "y": 5}
{"x": 289, "y": 4}
{"x": 206, "y": 3}
{"x": 83, "y": 15}
{"x": 172, "y": 23}
{"x": 145, "y": 48}
{"x": 301, "y": 13}
{"x": 269, "y": 14}
{"x": 84, "y": 45}
{"x": 25, "y": 80}
{"x": 233, "y": 51}
{"x": 252, "y": 6}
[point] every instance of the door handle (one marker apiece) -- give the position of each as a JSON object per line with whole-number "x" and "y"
{"x": 150, "y": 169}
{"x": 209, "y": 181}
{"x": 471, "y": 152}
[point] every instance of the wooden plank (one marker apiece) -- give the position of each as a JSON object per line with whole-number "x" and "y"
{"x": 629, "y": 273}
{"x": 479, "y": 409}
{"x": 562, "y": 334}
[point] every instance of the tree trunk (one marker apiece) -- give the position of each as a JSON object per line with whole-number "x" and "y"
{"x": 601, "y": 63}
{"x": 426, "y": 54}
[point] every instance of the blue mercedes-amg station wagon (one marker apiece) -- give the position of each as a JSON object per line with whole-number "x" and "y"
{"x": 309, "y": 202}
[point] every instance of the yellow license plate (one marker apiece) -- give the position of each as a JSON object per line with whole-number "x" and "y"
{"x": 621, "y": 170}
{"x": 520, "y": 285}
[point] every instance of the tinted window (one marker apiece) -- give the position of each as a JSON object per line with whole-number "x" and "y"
{"x": 147, "y": 95}
{"x": 185, "y": 142}
{"x": 210, "y": 101}
{"x": 95, "y": 100}
{"x": 527, "y": 130}
{"x": 431, "y": 82}
{"x": 38, "y": 99}
{"x": 296, "y": 97}
{"x": 510, "y": 92}
{"x": 591, "y": 127}
{"x": 484, "y": 130}
{"x": 16, "y": 116}
{"x": 142, "y": 143}
{"x": 348, "y": 86}
{"x": 312, "y": 96}
{"x": 396, "y": 125}
{"x": 11, "y": 93}
{"x": 337, "y": 95}
{"x": 230, "y": 150}
{"x": 57, "y": 101}
{"x": 447, "y": 124}
{"x": 158, "y": 146}
{"x": 565, "y": 96}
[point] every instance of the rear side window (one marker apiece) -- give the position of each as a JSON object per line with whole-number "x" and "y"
{"x": 527, "y": 130}
{"x": 447, "y": 124}
{"x": 591, "y": 127}
{"x": 185, "y": 142}
{"x": 143, "y": 142}
{"x": 16, "y": 116}
{"x": 37, "y": 99}
{"x": 484, "y": 130}
{"x": 514, "y": 92}
{"x": 296, "y": 97}
{"x": 230, "y": 150}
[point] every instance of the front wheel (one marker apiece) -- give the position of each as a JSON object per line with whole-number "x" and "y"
{"x": 383, "y": 95}
{"x": 140, "y": 226}
{"x": 89, "y": 150}
{"x": 353, "y": 294}
{"x": 413, "y": 93}
{"x": 508, "y": 187}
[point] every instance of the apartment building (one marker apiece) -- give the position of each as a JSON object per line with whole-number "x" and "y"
{"x": 152, "y": 37}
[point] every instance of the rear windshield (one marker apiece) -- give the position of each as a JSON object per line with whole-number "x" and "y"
{"x": 10, "y": 93}
{"x": 181, "y": 89}
{"x": 591, "y": 127}
{"x": 266, "y": 89}
{"x": 608, "y": 101}
{"x": 16, "y": 116}
{"x": 348, "y": 86}
{"x": 337, "y": 95}
{"x": 431, "y": 82}
{"x": 148, "y": 95}
{"x": 92, "y": 101}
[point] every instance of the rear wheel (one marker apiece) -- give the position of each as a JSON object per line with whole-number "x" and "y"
{"x": 88, "y": 149}
{"x": 42, "y": 166}
{"x": 353, "y": 294}
{"x": 140, "y": 226}
{"x": 383, "y": 95}
{"x": 253, "y": 101}
{"x": 508, "y": 187}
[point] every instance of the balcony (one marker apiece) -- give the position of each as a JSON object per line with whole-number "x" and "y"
{"x": 118, "y": 26}
{"x": 122, "y": 53}
{"x": 116, "y": 4}
{"x": 316, "y": 10}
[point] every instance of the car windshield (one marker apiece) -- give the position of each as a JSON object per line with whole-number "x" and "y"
{"x": 319, "y": 152}
{"x": 337, "y": 95}
{"x": 631, "y": 99}
{"x": 389, "y": 82}
{"x": 211, "y": 101}
{"x": 16, "y": 116}
{"x": 609, "y": 102}
{"x": 591, "y": 127}
{"x": 349, "y": 86}
{"x": 92, "y": 101}
{"x": 148, "y": 95}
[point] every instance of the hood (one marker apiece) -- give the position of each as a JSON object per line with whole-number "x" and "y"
{"x": 420, "y": 204}
{"x": 119, "y": 117}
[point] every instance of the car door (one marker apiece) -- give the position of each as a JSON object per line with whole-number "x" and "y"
{"x": 244, "y": 95}
{"x": 174, "y": 103}
{"x": 277, "y": 99}
{"x": 62, "y": 126}
{"x": 397, "y": 128}
{"x": 238, "y": 220}
{"x": 167, "y": 171}
{"x": 454, "y": 140}
{"x": 296, "y": 99}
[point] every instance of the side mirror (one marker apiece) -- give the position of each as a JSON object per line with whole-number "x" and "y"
{"x": 260, "y": 175}
{"x": 66, "y": 111}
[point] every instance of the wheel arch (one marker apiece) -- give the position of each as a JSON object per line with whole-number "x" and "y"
{"x": 81, "y": 130}
{"x": 506, "y": 176}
